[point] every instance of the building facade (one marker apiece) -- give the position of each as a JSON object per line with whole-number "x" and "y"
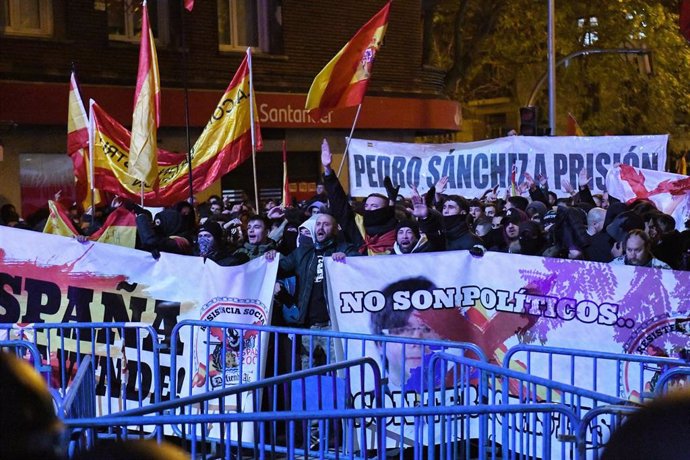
{"x": 42, "y": 40}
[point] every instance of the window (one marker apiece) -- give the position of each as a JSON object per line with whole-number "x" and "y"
{"x": 255, "y": 23}
{"x": 124, "y": 20}
{"x": 33, "y": 18}
{"x": 588, "y": 26}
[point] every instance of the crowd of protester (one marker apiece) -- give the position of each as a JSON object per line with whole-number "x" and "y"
{"x": 530, "y": 220}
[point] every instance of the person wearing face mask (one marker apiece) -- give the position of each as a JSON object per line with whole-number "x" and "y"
{"x": 531, "y": 238}
{"x": 306, "y": 232}
{"x": 167, "y": 232}
{"x": 210, "y": 244}
{"x": 373, "y": 232}
{"x": 455, "y": 215}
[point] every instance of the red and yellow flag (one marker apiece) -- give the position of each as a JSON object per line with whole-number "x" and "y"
{"x": 223, "y": 145}
{"x": 344, "y": 80}
{"x": 287, "y": 199}
{"x": 119, "y": 228}
{"x": 143, "y": 161}
{"x": 573, "y": 128}
{"x": 78, "y": 145}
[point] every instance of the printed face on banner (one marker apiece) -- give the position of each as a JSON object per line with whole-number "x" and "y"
{"x": 402, "y": 359}
{"x": 503, "y": 300}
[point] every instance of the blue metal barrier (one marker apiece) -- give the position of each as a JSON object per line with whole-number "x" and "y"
{"x": 80, "y": 402}
{"x": 28, "y": 351}
{"x": 679, "y": 376}
{"x": 596, "y": 428}
{"x": 481, "y": 383}
{"x": 219, "y": 400}
{"x": 422, "y": 418}
{"x": 626, "y": 376}
{"x": 125, "y": 366}
{"x": 197, "y": 433}
{"x": 216, "y": 354}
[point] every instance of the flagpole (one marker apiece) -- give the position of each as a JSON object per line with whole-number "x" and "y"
{"x": 251, "y": 116}
{"x": 185, "y": 58}
{"x": 92, "y": 134}
{"x": 349, "y": 139}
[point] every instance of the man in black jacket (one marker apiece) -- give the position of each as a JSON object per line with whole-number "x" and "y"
{"x": 374, "y": 230}
{"x": 306, "y": 263}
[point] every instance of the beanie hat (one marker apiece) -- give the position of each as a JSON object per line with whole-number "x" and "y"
{"x": 408, "y": 223}
{"x": 214, "y": 229}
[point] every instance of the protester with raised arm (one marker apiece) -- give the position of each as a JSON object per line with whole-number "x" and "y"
{"x": 373, "y": 231}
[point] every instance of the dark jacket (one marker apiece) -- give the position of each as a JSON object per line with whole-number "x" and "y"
{"x": 459, "y": 235}
{"x": 432, "y": 227}
{"x": 168, "y": 235}
{"x": 374, "y": 224}
{"x": 302, "y": 263}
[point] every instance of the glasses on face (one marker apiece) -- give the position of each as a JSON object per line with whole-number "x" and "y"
{"x": 407, "y": 331}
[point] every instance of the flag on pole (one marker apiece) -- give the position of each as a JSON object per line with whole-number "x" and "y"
{"x": 223, "y": 145}
{"x": 143, "y": 161}
{"x": 573, "y": 128}
{"x": 78, "y": 144}
{"x": 287, "y": 199}
{"x": 344, "y": 80}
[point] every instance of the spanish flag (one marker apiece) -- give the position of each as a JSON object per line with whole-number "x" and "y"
{"x": 343, "y": 82}
{"x": 143, "y": 158}
{"x": 78, "y": 145}
{"x": 119, "y": 228}
{"x": 223, "y": 145}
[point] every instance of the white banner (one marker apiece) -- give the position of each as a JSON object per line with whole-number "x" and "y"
{"x": 53, "y": 279}
{"x": 502, "y": 300}
{"x": 669, "y": 192}
{"x": 474, "y": 167}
